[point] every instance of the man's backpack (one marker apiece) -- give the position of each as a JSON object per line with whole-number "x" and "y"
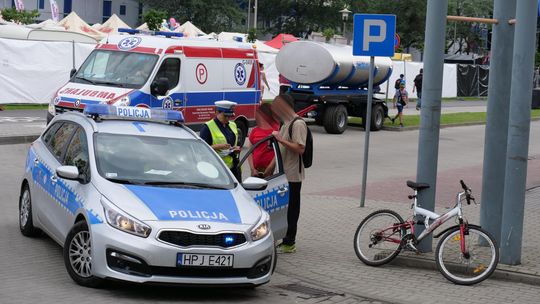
{"x": 397, "y": 83}
{"x": 307, "y": 156}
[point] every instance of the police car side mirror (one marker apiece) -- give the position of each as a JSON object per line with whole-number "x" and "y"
{"x": 160, "y": 86}
{"x": 68, "y": 172}
{"x": 254, "y": 183}
{"x": 72, "y": 72}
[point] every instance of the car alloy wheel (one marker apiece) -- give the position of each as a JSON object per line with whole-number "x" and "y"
{"x": 80, "y": 254}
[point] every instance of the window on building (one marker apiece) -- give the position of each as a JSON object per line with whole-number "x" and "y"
{"x": 41, "y": 4}
{"x": 67, "y": 6}
{"x": 122, "y": 10}
{"x": 107, "y": 9}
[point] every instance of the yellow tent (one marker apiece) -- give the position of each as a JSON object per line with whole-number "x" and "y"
{"x": 112, "y": 25}
{"x": 74, "y": 23}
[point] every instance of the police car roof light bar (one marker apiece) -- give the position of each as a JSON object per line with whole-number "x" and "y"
{"x": 132, "y": 113}
{"x": 128, "y": 30}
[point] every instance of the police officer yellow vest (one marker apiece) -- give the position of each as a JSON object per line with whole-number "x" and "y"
{"x": 219, "y": 138}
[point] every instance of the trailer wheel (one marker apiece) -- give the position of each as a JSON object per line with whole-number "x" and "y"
{"x": 242, "y": 127}
{"x": 377, "y": 117}
{"x": 335, "y": 119}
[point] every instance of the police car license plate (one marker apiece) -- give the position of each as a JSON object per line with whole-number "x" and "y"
{"x": 205, "y": 260}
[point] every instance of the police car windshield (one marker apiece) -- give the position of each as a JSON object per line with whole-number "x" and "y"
{"x": 159, "y": 162}
{"x": 116, "y": 69}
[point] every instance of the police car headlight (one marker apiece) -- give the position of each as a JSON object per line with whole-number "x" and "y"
{"x": 261, "y": 230}
{"x": 124, "y": 222}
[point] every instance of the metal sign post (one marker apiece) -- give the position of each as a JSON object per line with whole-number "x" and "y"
{"x": 374, "y": 35}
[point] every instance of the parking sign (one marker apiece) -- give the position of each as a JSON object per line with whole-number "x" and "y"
{"x": 374, "y": 35}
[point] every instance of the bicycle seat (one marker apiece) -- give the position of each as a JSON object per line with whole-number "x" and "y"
{"x": 417, "y": 186}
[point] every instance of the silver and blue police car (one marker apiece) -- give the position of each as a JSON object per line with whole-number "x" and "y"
{"x": 131, "y": 194}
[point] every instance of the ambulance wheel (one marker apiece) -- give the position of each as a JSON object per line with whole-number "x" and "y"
{"x": 242, "y": 132}
{"x": 25, "y": 213}
{"x": 335, "y": 119}
{"x": 78, "y": 256}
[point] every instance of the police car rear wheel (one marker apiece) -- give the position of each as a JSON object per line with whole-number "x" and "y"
{"x": 25, "y": 213}
{"x": 78, "y": 256}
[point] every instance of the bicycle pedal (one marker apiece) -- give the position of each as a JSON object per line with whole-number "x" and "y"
{"x": 410, "y": 247}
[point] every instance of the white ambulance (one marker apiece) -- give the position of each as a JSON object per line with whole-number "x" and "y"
{"x": 162, "y": 71}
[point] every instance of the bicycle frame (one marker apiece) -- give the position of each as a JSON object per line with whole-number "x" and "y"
{"x": 429, "y": 215}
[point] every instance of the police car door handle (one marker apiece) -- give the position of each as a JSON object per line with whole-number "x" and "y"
{"x": 54, "y": 178}
{"x": 281, "y": 191}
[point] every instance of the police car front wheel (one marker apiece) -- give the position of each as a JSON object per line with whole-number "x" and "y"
{"x": 78, "y": 256}
{"x": 25, "y": 213}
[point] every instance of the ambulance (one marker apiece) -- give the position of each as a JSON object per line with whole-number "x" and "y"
{"x": 165, "y": 71}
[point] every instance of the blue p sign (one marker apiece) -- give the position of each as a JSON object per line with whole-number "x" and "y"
{"x": 374, "y": 35}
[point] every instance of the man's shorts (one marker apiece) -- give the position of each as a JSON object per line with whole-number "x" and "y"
{"x": 399, "y": 108}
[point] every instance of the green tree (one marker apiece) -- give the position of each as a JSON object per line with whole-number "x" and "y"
{"x": 252, "y": 35}
{"x": 154, "y": 18}
{"x": 23, "y": 17}
{"x": 328, "y": 34}
{"x": 209, "y": 16}
{"x": 464, "y": 36}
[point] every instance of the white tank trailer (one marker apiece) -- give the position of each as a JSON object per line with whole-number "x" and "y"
{"x": 308, "y": 62}
{"x": 329, "y": 83}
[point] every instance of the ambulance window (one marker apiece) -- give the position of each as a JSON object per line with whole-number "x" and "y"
{"x": 170, "y": 69}
{"x": 77, "y": 154}
{"x": 61, "y": 137}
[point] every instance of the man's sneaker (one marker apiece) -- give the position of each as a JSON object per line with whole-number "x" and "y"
{"x": 286, "y": 248}
{"x": 393, "y": 120}
{"x": 401, "y": 125}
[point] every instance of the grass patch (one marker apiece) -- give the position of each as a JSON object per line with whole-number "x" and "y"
{"x": 446, "y": 119}
{"x": 8, "y": 107}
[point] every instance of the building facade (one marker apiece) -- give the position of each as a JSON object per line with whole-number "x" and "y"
{"x": 91, "y": 11}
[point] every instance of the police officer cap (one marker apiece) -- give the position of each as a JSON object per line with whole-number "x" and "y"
{"x": 225, "y": 106}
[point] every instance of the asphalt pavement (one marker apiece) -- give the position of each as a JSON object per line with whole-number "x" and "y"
{"x": 325, "y": 268}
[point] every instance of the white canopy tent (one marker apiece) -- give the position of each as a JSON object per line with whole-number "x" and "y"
{"x": 48, "y": 24}
{"x": 144, "y": 27}
{"x": 189, "y": 30}
{"x": 74, "y": 23}
{"x": 112, "y": 25}
{"x": 96, "y": 26}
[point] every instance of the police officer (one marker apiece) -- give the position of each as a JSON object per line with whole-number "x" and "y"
{"x": 222, "y": 135}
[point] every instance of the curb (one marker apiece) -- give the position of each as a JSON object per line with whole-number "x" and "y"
{"x": 18, "y": 139}
{"x": 499, "y": 274}
{"x": 465, "y": 124}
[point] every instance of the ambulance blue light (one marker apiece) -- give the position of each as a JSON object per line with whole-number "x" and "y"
{"x": 229, "y": 240}
{"x": 128, "y": 30}
{"x": 168, "y": 34}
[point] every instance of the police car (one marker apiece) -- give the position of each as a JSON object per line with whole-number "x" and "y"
{"x": 131, "y": 194}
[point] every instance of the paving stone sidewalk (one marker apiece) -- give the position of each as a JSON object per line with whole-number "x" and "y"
{"x": 325, "y": 255}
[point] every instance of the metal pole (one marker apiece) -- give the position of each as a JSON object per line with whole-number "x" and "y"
{"x": 518, "y": 132}
{"x": 367, "y": 127}
{"x": 249, "y": 16}
{"x": 498, "y": 107}
{"x": 430, "y": 114}
{"x": 387, "y": 88}
{"x": 255, "y": 14}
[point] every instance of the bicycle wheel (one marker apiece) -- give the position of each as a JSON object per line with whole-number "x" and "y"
{"x": 378, "y": 237}
{"x": 477, "y": 264}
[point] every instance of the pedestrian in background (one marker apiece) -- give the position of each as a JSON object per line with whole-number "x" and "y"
{"x": 398, "y": 82}
{"x": 418, "y": 87}
{"x": 401, "y": 98}
{"x": 264, "y": 80}
{"x": 263, "y": 155}
{"x": 292, "y": 138}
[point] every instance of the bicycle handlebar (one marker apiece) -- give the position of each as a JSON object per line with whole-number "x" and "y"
{"x": 468, "y": 194}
